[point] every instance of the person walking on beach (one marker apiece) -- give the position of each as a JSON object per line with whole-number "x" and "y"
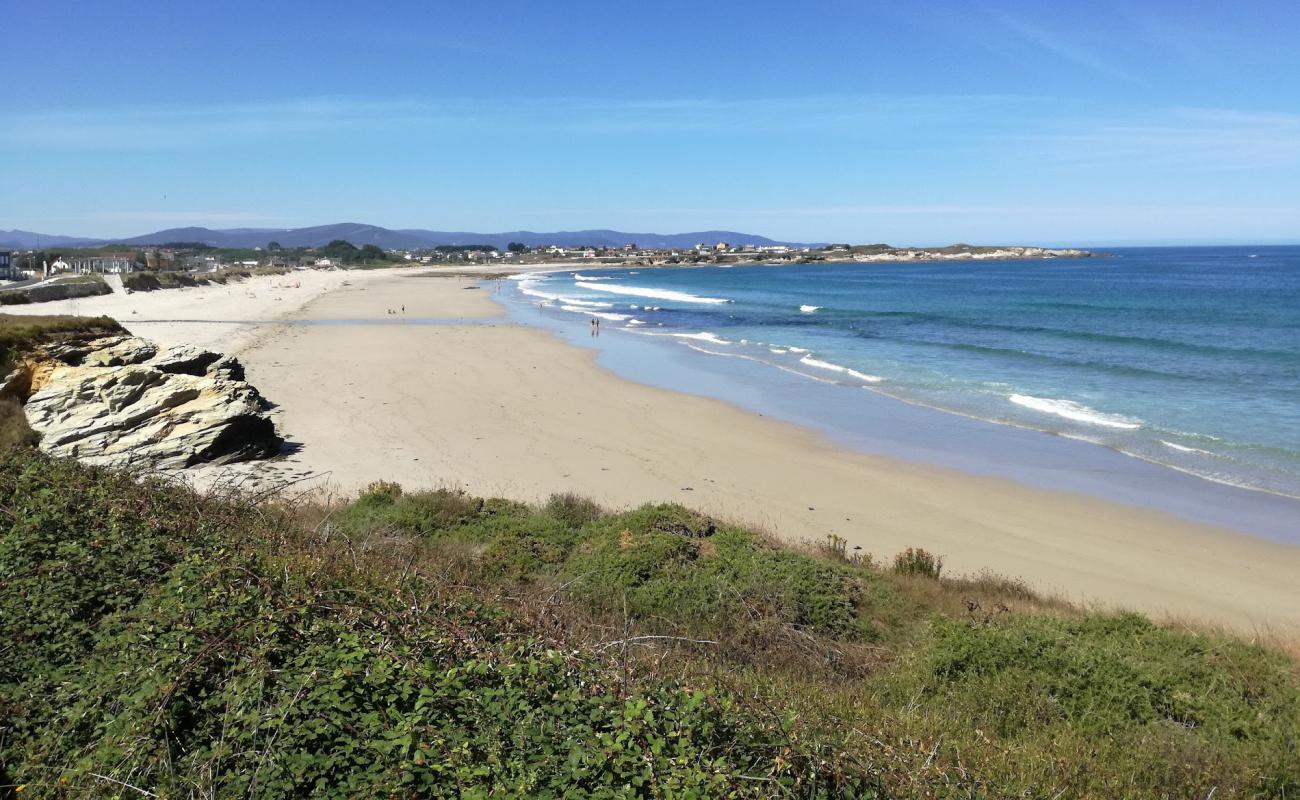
{"x": 593, "y": 327}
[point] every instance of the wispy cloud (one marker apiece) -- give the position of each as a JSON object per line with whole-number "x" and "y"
{"x": 181, "y": 127}
{"x": 992, "y": 130}
{"x": 1064, "y": 47}
{"x": 1204, "y": 139}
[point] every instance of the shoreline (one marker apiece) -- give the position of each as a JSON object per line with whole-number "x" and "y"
{"x": 1030, "y": 456}
{"x": 500, "y": 408}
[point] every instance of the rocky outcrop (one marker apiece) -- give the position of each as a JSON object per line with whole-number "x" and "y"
{"x": 123, "y": 401}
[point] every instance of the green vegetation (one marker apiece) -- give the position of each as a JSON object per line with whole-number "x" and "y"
{"x": 439, "y": 644}
{"x": 345, "y": 252}
{"x": 913, "y": 561}
{"x": 191, "y": 647}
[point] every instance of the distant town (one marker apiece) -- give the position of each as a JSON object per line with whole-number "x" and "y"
{"x": 40, "y": 264}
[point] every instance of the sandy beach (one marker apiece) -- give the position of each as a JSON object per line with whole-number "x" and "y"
{"x": 477, "y": 402}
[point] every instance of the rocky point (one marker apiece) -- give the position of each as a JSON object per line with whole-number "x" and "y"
{"x": 125, "y": 401}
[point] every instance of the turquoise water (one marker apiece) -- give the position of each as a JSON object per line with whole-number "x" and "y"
{"x": 1186, "y": 357}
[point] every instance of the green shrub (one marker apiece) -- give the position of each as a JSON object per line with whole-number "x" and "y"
{"x": 433, "y": 513}
{"x": 915, "y": 561}
{"x": 1104, "y": 674}
{"x": 574, "y": 510}
{"x": 671, "y": 563}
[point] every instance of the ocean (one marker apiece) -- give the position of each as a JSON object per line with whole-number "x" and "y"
{"x": 1184, "y": 357}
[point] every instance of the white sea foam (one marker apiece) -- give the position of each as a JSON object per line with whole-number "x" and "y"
{"x": 809, "y": 309}
{"x": 778, "y": 350}
{"x": 826, "y": 365}
{"x": 1075, "y": 411}
{"x": 592, "y": 277}
{"x": 661, "y": 294}
{"x": 798, "y": 350}
{"x": 527, "y": 288}
{"x": 1183, "y": 449}
{"x": 635, "y": 322}
{"x": 602, "y": 314}
{"x": 703, "y": 336}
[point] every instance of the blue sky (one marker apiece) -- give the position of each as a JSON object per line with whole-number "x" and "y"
{"x": 911, "y": 123}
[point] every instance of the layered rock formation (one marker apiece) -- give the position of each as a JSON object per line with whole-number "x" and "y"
{"x": 123, "y": 401}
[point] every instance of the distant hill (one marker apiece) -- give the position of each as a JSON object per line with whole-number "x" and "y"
{"x": 597, "y": 237}
{"x": 361, "y": 234}
{"x": 27, "y": 240}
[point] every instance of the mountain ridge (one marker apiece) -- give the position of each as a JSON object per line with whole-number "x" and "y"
{"x": 361, "y": 234}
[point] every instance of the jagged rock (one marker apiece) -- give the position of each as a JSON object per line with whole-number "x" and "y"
{"x": 122, "y": 403}
{"x": 185, "y": 359}
{"x": 227, "y": 368}
{"x": 118, "y": 351}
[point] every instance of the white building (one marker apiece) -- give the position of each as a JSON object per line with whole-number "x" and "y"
{"x": 104, "y": 265}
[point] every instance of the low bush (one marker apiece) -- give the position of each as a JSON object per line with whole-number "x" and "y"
{"x": 1102, "y": 674}
{"x": 572, "y": 509}
{"x": 915, "y": 561}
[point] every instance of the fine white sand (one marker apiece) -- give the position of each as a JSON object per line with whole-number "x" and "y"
{"x": 502, "y": 409}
